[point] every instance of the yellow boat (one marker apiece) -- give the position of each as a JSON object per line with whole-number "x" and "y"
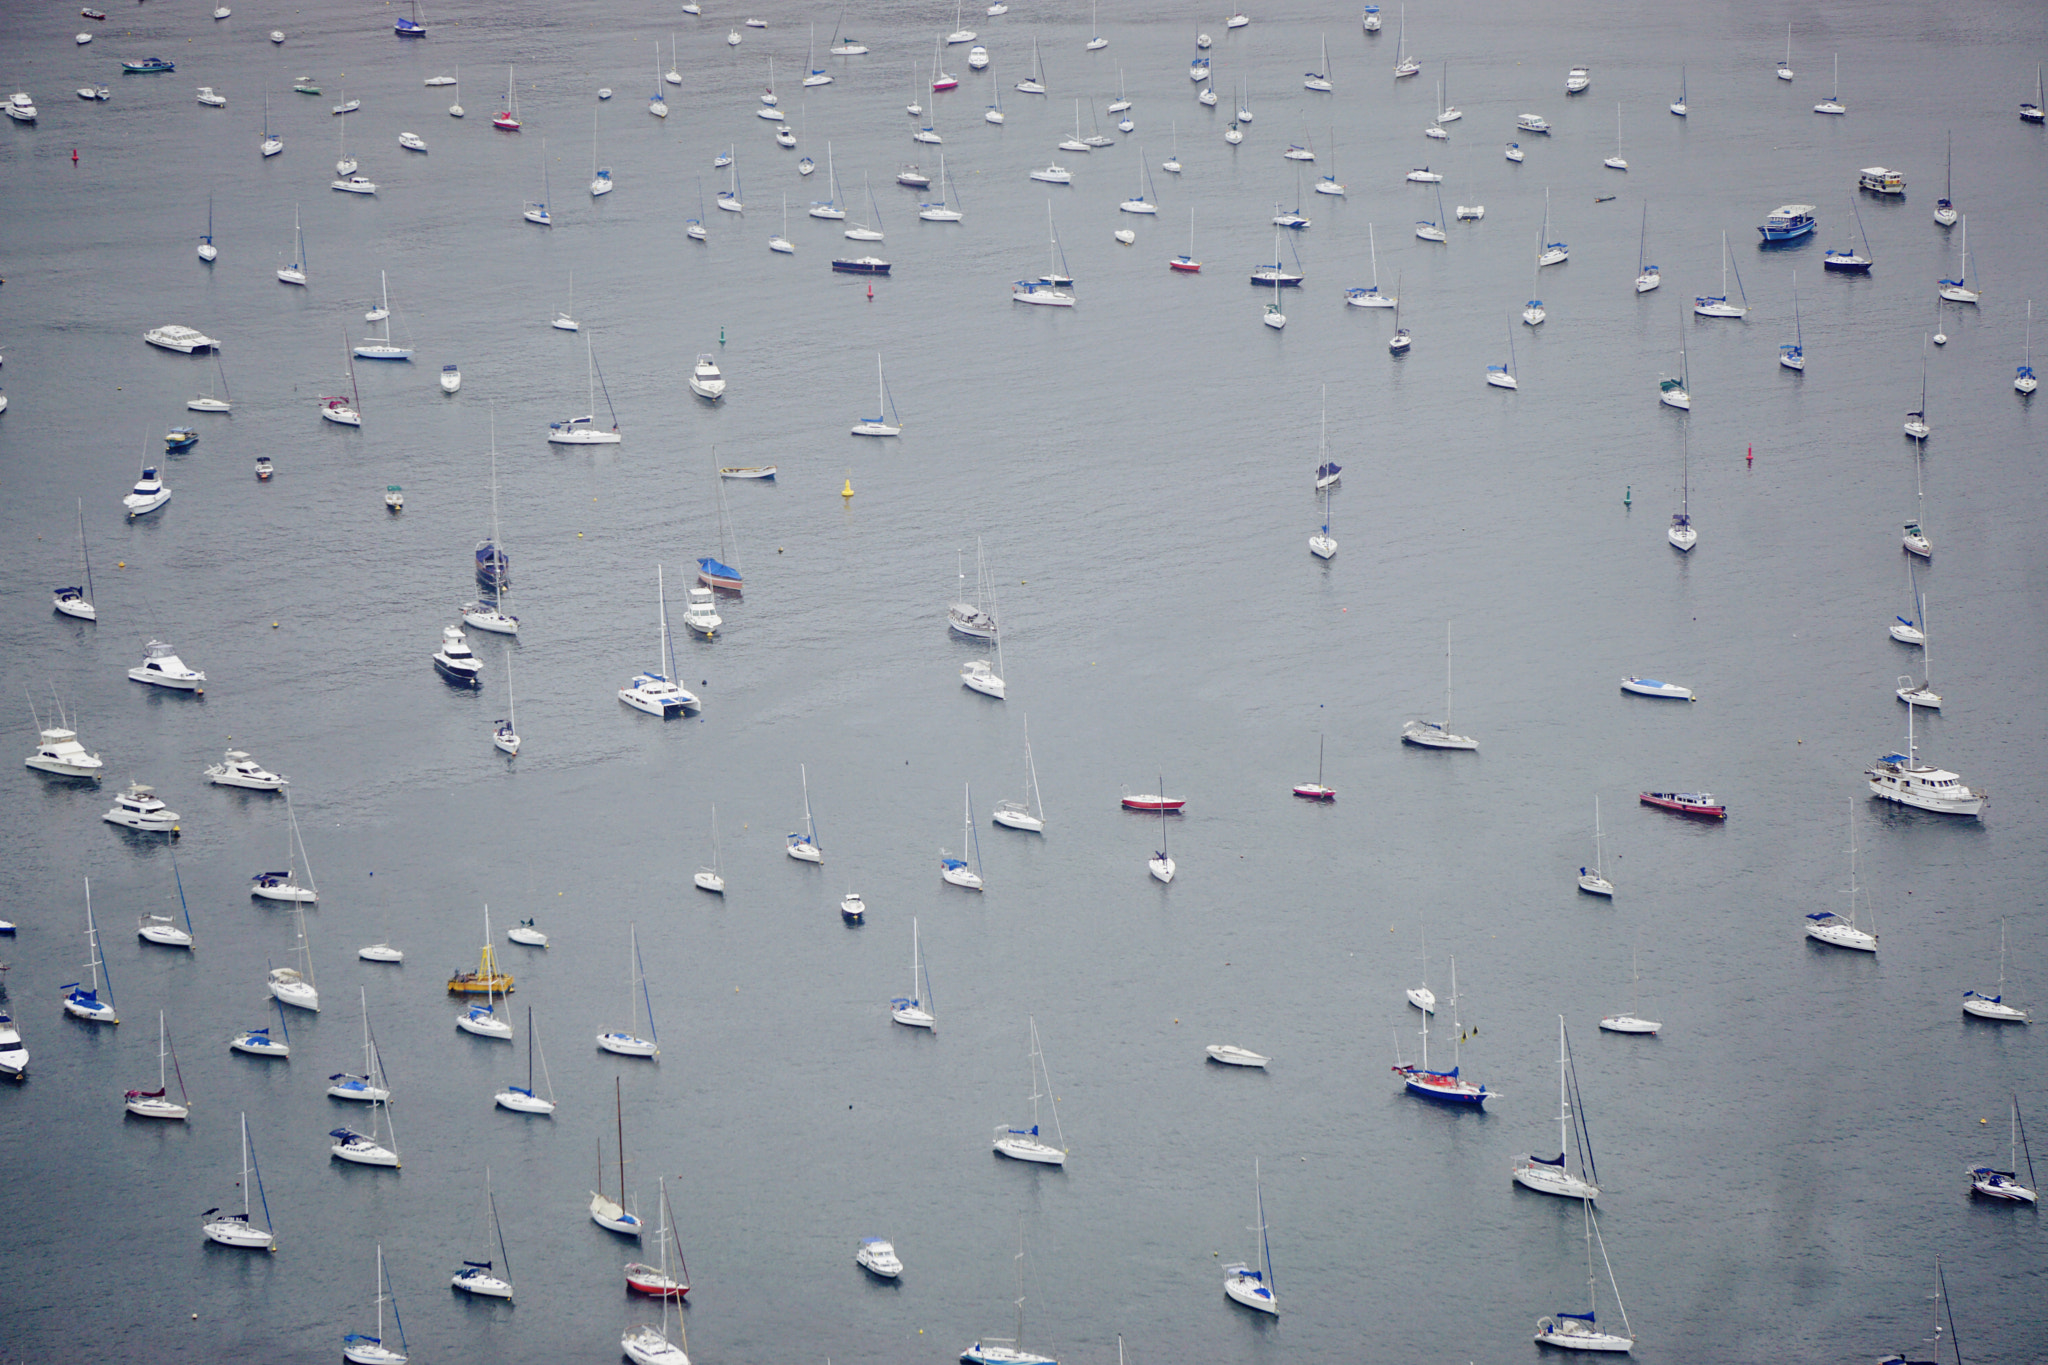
{"x": 485, "y": 980}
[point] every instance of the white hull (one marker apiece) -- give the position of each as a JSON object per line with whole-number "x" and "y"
{"x": 1843, "y": 936}
{"x": 295, "y": 992}
{"x": 157, "y": 1109}
{"x": 1594, "y": 884}
{"x": 519, "y": 1102}
{"x": 156, "y": 929}
{"x": 484, "y": 1026}
{"x": 1547, "y": 1179}
{"x": 1628, "y": 1023}
{"x": 365, "y": 1153}
{"x": 1019, "y": 819}
{"x": 479, "y": 617}
{"x": 961, "y": 876}
{"x": 913, "y": 1016}
{"x": 709, "y": 881}
{"x": 284, "y": 892}
{"x": 1650, "y": 687}
{"x": 626, "y": 1045}
{"x": 353, "y": 1089}
{"x": 527, "y": 937}
{"x": 646, "y": 1346}
{"x": 381, "y": 952}
{"x": 1019, "y": 1148}
{"x": 1995, "y": 1010}
{"x": 1162, "y": 869}
{"x": 1231, "y": 1055}
{"x": 1426, "y": 735}
{"x": 1583, "y": 1341}
{"x": 232, "y": 1232}
{"x": 260, "y": 1047}
{"x": 612, "y": 1218}
{"x": 482, "y": 1285}
{"x": 1251, "y": 1293}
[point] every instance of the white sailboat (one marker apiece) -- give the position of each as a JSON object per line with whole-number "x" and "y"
{"x": 295, "y": 986}
{"x": 505, "y": 734}
{"x": 1023, "y": 1144}
{"x": 1547, "y": 251}
{"x": 1321, "y": 543}
{"x": 492, "y": 616}
{"x": 985, "y": 675}
{"x": 2024, "y": 381}
{"x": 364, "y": 1088}
{"x": 1916, "y": 421}
{"x": 241, "y": 1229}
{"x": 1717, "y": 305}
{"x": 257, "y": 1042}
{"x": 1993, "y": 1007}
{"x": 1632, "y": 1021}
{"x": 584, "y": 431}
{"x": 1615, "y": 162}
{"x": 1647, "y": 276}
{"x": 627, "y": 1043}
{"x": 885, "y": 407}
{"x": 284, "y": 886}
{"x": 1370, "y": 296}
{"x": 1547, "y": 1176}
{"x": 1503, "y": 376}
{"x": 600, "y": 176}
{"x": 1958, "y": 290}
{"x": 804, "y": 846}
{"x": 646, "y": 1344}
{"x": 1581, "y": 1331}
{"x": 973, "y": 618}
{"x": 917, "y": 1009}
{"x": 1785, "y": 67}
{"x": 1595, "y": 881}
{"x": 1007, "y": 1350}
{"x": 711, "y": 878}
{"x": 1833, "y": 103}
{"x": 955, "y": 870}
{"x": 77, "y": 601}
{"x": 479, "y": 1278}
{"x": 1682, "y": 534}
{"x": 1404, "y": 65}
{"x": 1793, "y": 357}
{"x": 1160, "y": 865}
{"x": 1922, "y": 693}
{"x": 483, "y": 1020}
{"x": 1252, "y": 1286}
{"x": 295, "y": 273}
{"x": 653, "y": 691}
{"x": 359, "y": 1348}
{"x": 606, "y": 1212}
{"x": 2005, "y": 1185}
{"x": 1028, "y": 814}
{"x": 1827, "y": 927}
{"x": 1429, "y": 734}
{"x": 368, "y": 1149}
{"x": 523, "y": 1099}
{"x": 162, "y": 929}
{"x": 157, "y": 1103}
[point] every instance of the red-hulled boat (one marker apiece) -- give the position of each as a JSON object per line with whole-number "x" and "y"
{"x": 647, "y": 1279}
{"x": 1151, "y": 802}
{"x": 1686, "y": 803}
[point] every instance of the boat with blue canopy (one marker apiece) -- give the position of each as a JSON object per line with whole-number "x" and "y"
{"x": 1444, "y": 1087}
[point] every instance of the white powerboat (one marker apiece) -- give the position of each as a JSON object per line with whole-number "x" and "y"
{"x": 172, "y": 337}
{"x": 148, "y": 494}
{"x": 700, "y": 613}
{"x": 237, "y": 769}
{"x": 878, "y": 1257}
{"x": 13, "y": 1056}
{"x": 705, "y": 379}
{"x": 137, "y": 807}
{"x": 58, "y": 752}
{"x": 1231, "y": 1055}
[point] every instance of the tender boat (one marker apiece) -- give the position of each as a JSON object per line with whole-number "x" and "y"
{"x": 1686, "y": 803}
{"x": 761, "y": 471}
{"x": 137, "y": 808}
{"x": 161, "y": 667}
{"x": 237, "y": 769}
{"x": 1788, "y": 223}
{"x": 1229, "y": 1054}
{"x": 59, "y": 752}
{"x": 1651, "y": 687}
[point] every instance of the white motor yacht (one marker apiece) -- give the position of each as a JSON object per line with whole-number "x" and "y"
{"x": 13, "y": 1056}
{"x": 700, "y": 612}
{"x": 172, "y": 337}
{"x": 237, "y": 769}
{"x": 161, "y": 667}
{"x": 454, "y": 661}
{"x": 59, "y": 752}
{"x": 211, "y": 98}
{"x": 878, "y": 1257}
{"x": 137, "y": 807}
{"x": 451, "y": 378}
{"x": 1905, "y": 780}
{"x": 705, "y": 379}
{"x": 148, "y": 494}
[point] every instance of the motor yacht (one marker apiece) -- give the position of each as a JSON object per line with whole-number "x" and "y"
{"x": 163, "y": 668}
{"x": 237, "y": 769}
{"x": 454, "y": 661}
{"x": 58, "y": 752}
{"x": 137, "y": 807}
{"x": 148, "y": 494}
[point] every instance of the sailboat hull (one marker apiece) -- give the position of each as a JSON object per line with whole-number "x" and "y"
{"x": 1026, "y": 1149}
{"x": 1547, "y": 1179}
{"x": 626, "y": 1045}
{"x": 519, "y": 1102}
{"x": 232, "y": 1232}
{"x": 1019, "y": 819}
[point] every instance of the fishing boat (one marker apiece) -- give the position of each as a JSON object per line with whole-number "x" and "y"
{"x": 137, "y": 807}
{"x": 77, "y": 601}
{"x": 803, "y": 846}
{"x": 1028, "y": 814}
{"x": 241, "y": 1229}
{"x": 1632, "y": 1020}
{"x": 1429, "y": 734}
{"x": 149, "y": 66}
{"x": 700, "y": 612}
{"x": 627, "y": 1043}
{"x": 1250, "y": 1285}
{"x": 955, "y": 871}
{"x": 1906, "y": 781}
{"x": 1594, "y": 881}
{"x": 478, "y": 1278}
{"x": 1682, "y": 534}
{"x": 1443, "y": 1087}
{"x": 161, "y": 667}
{"x": 1686, "y": 803}
{"x": 1717, "y": 305}
{"x": 2005, "y": 1186}
{"x": 364, "y": 1088}
{"x": 1581, "y": 1331}
{"x": 284, "y": 886}
{"x": 1546, "y": 1175}
{"x": 523, "y": 1099}
{"x": 917, "y": 1009}
{"x": 606, "y": 1212}
{"x": 747, "y": 471}
{"x": 1993, "y": 1007}
{"x": 1788, "y": 223}
{"x": 658, "y": 1281}
{"x": 360, "y": 1348}
{"x": 148, "y": 494}
{"x": 157, "y": 1103}
{"x": 59, "y": 753}
{"x": 1024, "y": 1144}
{"x": 1007, "y": 1350}
{"x": 852, "y": 908}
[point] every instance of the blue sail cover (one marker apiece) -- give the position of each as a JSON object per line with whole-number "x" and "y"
{"x": 717, "y": 570}
{"x": 952, "y": 864}
{"x": 1582, "y": 1317}
{"x": 347, "y": 1135}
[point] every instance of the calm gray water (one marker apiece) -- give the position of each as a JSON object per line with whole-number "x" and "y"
{"x": 1782, "y": 1165}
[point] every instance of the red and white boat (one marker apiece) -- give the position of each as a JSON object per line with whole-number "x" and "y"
{"x": 650, "y": 1280}
{"x": 1152, "y": 802}
{"x": 1686, "y": 803}
{"x": 1316, "y": 791}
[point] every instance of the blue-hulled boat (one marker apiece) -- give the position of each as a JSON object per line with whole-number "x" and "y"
{"x": 1444, "y": 1087}
{"x": 862, "y": 265}
{"x": 493, "y": 566}
{"x": 149, "y": 66}
{"x": 1788, "y": 223}
{"x": 412, "y": 27}
{"x": 180, "y": 438}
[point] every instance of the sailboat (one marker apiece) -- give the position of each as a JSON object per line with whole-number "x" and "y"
{"x": 1717, "y": 305}
{"x": 1023, "y": 1144}
{"x": 1160, "y": 864}
{"x": 359, "y": 1348}
{"x": 1547, "y": 1176}
{"x": 208, "y": 252}
{"x": 1679, "y": 105}
{"x": 80, "y": 1001}
{"x": 715, "y": 573}
{"x": 283, "y": 886}
{"x": 1445, "y": 1087}
{"x": 657, "y": 103}
{"x": 1945, "y": 207}
{"x": 363, "y": 1088}
{"x": 1274, "y": 317}
{"x": 271, "y": 144}
{"x": 1826, "y": 926}
{"x": 1429, "y": 734}
{"x": 1370, "y": 296}
{"x": 1319, "y": 79}
{"x": 492, "y": 615}
{"x": 1833, "y": 103}
{"x": 829, "y": 206}
{"x": 1432, "y": 230}
{"x": 1785, "y": 67}
{"x": 1139, "y": 202}
{"x": 1316, "y": 791}
{"x": 537, "y": 210}
{"x": 1631, "y": 1022}
{"x": 508, "y": 117}
{"x": 344, "y": 164}
{"x": 1028, "y": 814}
{"x": 2024, "y": 381}
{"x": 606, "y": 1212}
{"x": 295, "y": 986}
{"x": 1172, "y": 164}
{"x": 1903, "y": 629}
{"x": 77, "y": 601}
{"x": 522, "y": 1099}
{"x": 1007, "y": 1351}
{"x": 780, "y": 242}
{"x": 1400, "y": 341}
{"x": 1647, "y": 277}
{"x": 1033, "y": 84}
{"x": 1916, "y": 420}
{"x": 1993, "y": 1007}
{"x": 1957, "y": 290}
{"x": 1850, "y": 262}
{"x": 1676, "y": 391}
{"x": 1793, "y": 357}
{"x": 344, "y": 412}
{"x": 941, "y": 210}
{"x": 955, "y": 870}
{"x": 1682, "y": 534}
{"x": 1581, "y": 1331}
{"x": 885, "y": 407}
{"x": 916, "y": 1010}
{"x": 162, "y": 929}
{"x": 1503, "y": 376}
{"x": 1547, "y": 251}
{"x": 1321, "y": 543}
{"x": 257, "y": 1042}
{"x": 157, "y": 1103}
{"x": 2034, "y": 111}
{"x": 2005, "y": 1185}
{"x": 628, "y": 1044}
{"x": 1615, "y": 162}
{"x": 711, "y": 878}
{"x": 600, "y": 176}
{"x": 1249, "y": 1285}
{"x": 368, "y": 1149}
{"x": 1096, "y": 41}
{"x": 239, "y": 1229}
{"x": 656, "y": 1280}
{"x": 985, "y": 675}
{"x": 1404, "y": 65}
{"x": 483, "y": 1019}
{"x": 804, "y": 847}
{"x": 1534, "y": 313}
{"x": 970, "y": 618}
{"x": 1923, "y": 694}
{"x": 584, "y": 431}
{"x": 814, "y": 74}
{"x": 215, "y": 399}
{"x": 455, "y": 109}
{"x": 295, "y": 273}
{"x": 476, "y": 1277}
{"x": 1912, "y": 535}
{"x": 1596, "y": 881}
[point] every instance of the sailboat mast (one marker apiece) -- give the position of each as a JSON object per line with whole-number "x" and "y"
{"x": 88, "y": 556}
{"x": 619, "y": 1101}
